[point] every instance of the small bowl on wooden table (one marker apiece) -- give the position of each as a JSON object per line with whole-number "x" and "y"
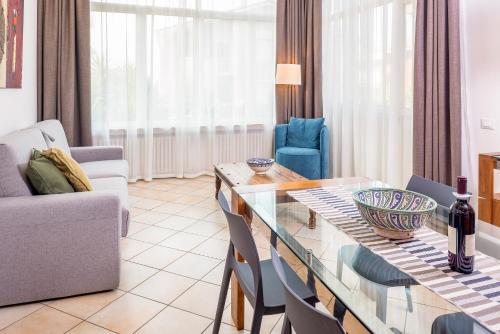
{"x": 394, "y": 213}
{"x": 260, "y": 165}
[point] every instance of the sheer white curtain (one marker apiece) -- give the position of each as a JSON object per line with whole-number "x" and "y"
{"x": 368, "y": 86}
{"x": 183, "y": 84}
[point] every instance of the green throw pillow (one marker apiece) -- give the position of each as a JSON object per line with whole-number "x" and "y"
{"x": 45, "y": 177}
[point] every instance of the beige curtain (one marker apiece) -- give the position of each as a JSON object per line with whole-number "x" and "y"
{"x": 63, "y": 66}
{"x": 436, "y": 106}
{"x": 298, "y": 41}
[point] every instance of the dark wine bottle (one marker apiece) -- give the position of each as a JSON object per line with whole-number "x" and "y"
{"x": 461, "y": 231}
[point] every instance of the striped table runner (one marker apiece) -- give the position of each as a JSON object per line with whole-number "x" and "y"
{"x": 424, "y": 257}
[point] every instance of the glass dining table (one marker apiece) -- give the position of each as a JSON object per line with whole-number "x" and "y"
{"x": 350, "y": 279}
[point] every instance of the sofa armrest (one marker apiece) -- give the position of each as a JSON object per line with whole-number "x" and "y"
{"x": 280, "y": 132}
{"x": 96, "y": 153}
{"x": 324, "y": 147}
{"x": 59, "y": 245}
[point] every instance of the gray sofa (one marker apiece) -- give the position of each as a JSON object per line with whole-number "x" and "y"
{"x": 59, "y": 245}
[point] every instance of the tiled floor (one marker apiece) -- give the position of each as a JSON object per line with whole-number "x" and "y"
{"x": 172, "y": 262}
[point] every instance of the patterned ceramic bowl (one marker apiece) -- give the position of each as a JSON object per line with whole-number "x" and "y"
{"x": 394, "y": 213}
{"x": 260, "y": 165}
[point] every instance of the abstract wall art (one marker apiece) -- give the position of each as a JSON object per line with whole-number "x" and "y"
{"x": 11, "y": 43}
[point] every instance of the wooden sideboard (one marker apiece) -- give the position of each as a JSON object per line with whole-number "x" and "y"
{"x": 488, "y": 200}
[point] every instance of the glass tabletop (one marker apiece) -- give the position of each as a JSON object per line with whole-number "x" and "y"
{"x": 381, "y": 297}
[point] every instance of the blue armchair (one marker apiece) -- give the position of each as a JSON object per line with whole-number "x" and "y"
{"x": 303, "y": 146}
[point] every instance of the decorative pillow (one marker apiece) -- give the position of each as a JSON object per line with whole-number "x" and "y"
{"x": 45, "y": 177}
{"x": 70, "y": 168}
{"x": 11, "y": 181}
{"x": 304, "y": 132}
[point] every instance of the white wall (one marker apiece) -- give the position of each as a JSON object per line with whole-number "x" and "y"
{"x": 18, "y": 106}
{"x": 480, "y": 31}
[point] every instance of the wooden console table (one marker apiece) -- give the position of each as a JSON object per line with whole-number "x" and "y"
{"x": 488, "y": 200}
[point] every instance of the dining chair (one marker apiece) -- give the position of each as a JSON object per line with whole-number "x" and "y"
{"x": 301, "y": 316}
{"x": 380, "y": 273}
{"x": 457, "y": 323}
{"x": 441, "y": 193}
{"x": 258, "y": 279}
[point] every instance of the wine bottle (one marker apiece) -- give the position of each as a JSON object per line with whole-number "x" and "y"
{"x": 461, "y": 231}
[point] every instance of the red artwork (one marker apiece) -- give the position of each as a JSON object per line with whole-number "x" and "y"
{"x": 11, "y": 43}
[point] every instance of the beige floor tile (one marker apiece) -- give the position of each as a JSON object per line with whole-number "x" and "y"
{"x": 189, "y": 199}
{"x": 133, "y": 199}
{"x": 45, "y": 320}
{"x": 222, "y": 235}
{"x": 153, "y": 234}
{"x": 86, "y": 305}
{"x": 157, "y": 257}
{"x": 192, "y": 265}
{"x": 204, "y": 228}
{"x": 130, "y": 248}
{"x": 150, "y": 217}
{"x": 225, "y": 329}
{"x": 171, "y": 208}
{"x": 126, "y": 314}
{"x": 175, "y": 181}
{"x": 268, "y": 321}
{"x": 134, "y": 212}
{"x": 11, "y": 314}
{"x": 213, "y": 248}
{"x": 205, "y": 192}
{"x": 195, "y": 212}
{"x": 88, "y": 328}
{"x": 134, "y": 227}
{"x": 215, "y": 275}
{"x": 183, "y": 241}
{"x": 148, "y": 204}
{"x": 182, "y": 190}
{"x": 173, "y": 321}
{"x": 217, "y": 216}
{"x": 133, "y": 274}
{"x": 177, "y": 223}
{"x": 166, "y": 196}
{"x": 210, "y": 203}
{"x": 163, "y": 287}
{"x": 201, "y": 299}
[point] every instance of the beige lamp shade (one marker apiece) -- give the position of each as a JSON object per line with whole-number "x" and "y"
{"x": 288, "y": 74}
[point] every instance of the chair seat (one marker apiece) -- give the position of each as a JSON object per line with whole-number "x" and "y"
{"x": 274, "y": 295}
{"x": 303, "y": 161}
{"x": 373, "y": 267}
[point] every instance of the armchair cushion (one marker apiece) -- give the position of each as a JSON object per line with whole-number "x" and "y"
{"x": 45, "y": 177}
{"x": 70, "y": 168}
{"x": 304, "y": 133}
{"x": 304, "y": 161}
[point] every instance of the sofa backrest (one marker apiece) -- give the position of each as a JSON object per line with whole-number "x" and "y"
{"x": 22, "y": 143}
{"x": 11, "y": 181}
{"x": 54, "y": 134}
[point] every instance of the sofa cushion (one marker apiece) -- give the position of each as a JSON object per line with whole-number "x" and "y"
{"x": 22, "y": 142}
{"x": 11, "y": 182}
{"x": 105, "y": 168}
{"x": 304, "y": 132}
{"x": 119, "y": 185}
{"x": 70, "y": 168}
{"x": 54, "y": 134}
{"x": 304, "y": 161}
{"x": 45, "y": 177}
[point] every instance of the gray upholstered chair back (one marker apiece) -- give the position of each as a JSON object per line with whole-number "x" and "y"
{"x": 304, "y": 318}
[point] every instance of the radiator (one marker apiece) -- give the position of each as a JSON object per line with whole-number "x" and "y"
{"x": 188, "y": 153}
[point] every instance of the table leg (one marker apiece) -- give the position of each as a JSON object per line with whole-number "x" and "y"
{"x": 312, "y": 219}
{"x": 237, "y": 296}
{"x": 218, "y": 183}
